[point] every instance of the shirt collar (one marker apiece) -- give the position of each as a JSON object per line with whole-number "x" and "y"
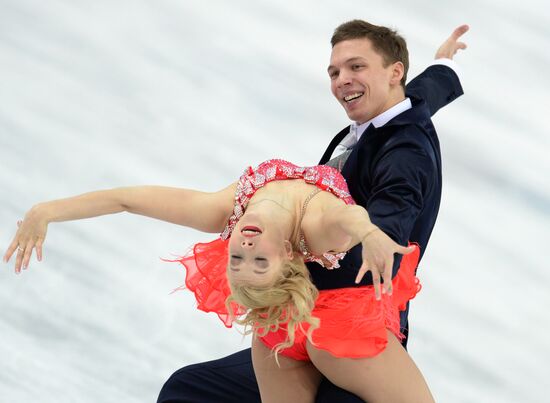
{"x": 381, "y": 119}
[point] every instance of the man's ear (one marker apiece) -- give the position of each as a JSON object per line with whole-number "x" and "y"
{"x": 397, "y": 72}
{"x": 289, "y": 253}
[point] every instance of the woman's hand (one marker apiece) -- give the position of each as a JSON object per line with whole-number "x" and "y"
{"x": 378, "y": 251}
{"x": 30, "y": 235}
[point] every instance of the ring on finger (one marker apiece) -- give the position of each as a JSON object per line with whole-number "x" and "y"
{"x": 19, "y": 248}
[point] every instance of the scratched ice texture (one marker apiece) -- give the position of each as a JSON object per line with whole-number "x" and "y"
{"x": 101, "y": 94}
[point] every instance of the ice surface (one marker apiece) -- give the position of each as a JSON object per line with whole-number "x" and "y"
{"x": 110, "y": 93}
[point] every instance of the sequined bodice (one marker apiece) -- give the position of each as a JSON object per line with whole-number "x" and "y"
{"x": 324, "y": 177}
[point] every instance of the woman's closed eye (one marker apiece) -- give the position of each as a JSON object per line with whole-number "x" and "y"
{"x": 261, "y": 262}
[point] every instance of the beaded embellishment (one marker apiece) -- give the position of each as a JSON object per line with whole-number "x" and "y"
{"x": 331, "y": 259}
{"x": 324, "y": 177}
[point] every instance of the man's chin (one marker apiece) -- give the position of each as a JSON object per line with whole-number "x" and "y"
{"x": 354, "y": 113}
{"x": 355, "y": 116}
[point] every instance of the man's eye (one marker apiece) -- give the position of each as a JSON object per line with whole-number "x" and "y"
{"x": 356, "y": 66}
{"x": 333, "y": 75}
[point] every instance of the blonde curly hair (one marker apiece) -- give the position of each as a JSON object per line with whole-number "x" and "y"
{"x": 288, "y": 300}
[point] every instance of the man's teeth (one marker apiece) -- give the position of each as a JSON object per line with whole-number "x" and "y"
{"x": 353, "y": 96}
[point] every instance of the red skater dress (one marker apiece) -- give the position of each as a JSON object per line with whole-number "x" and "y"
{"x": 352, "y": 322}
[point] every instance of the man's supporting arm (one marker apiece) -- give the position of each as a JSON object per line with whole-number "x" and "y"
{"x": 439, "y": 84}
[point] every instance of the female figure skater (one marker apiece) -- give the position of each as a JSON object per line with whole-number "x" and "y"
{"x": 271, "y": 220}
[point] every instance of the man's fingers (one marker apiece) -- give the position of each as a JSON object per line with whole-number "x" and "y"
{"x": 449, "y": 48}
{"x": 457, "y": 46}
{"x": 459, "y": 31}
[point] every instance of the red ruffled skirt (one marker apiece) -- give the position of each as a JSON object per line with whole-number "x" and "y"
{"x": 352, "y": 322}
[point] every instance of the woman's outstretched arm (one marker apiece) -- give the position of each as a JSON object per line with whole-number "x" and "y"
{"x": 205, "y": 211}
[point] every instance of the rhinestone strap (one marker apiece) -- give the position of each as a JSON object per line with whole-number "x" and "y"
{"x": 302, "y": 244}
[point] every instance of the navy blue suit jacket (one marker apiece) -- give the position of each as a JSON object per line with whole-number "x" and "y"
{"x": 395, "y": 173}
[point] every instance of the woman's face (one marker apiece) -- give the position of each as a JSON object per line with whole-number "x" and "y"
{"x": 256, "y": 251}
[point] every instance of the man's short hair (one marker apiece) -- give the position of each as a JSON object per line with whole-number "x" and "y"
{"x": 387, "y": 42}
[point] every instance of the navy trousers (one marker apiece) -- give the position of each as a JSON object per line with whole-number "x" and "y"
{"x": 231, "y": 380}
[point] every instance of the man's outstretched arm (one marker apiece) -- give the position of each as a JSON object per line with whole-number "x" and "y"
{"x": 439, "y": 84}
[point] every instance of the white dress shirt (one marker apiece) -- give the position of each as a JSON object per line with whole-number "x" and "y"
{"x": 356, "y": 131}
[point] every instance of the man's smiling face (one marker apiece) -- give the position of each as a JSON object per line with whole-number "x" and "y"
{"x": 360, "y": 81}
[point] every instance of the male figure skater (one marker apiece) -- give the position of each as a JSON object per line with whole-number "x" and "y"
{"x": 391, "y": 160}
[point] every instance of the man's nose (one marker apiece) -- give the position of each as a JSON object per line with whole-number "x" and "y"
{"x": 247, "y": 243}
{"x": 344, "y": 78}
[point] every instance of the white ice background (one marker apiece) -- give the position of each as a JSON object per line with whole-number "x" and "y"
{"x": 102, "y": 94}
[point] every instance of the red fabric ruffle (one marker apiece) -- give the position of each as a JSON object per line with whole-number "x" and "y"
{"x": 206, "y": 277}
{"x": 352, "y": 322}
